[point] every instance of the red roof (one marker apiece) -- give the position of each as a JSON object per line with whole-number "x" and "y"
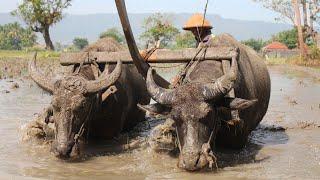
{"x": 276, "y": 46}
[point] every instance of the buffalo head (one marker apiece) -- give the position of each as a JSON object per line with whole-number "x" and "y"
{"x": 74, "y": 99}
{"x": 193, "y": 107}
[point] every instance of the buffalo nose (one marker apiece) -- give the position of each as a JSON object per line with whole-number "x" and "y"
{"x": 62, "y": 150}
{"x": 190, "y": 161}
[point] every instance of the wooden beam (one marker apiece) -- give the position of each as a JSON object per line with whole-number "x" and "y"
{"x": 159, "y": 56}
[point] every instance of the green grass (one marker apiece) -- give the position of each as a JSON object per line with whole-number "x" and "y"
{"x": 28, "y": 54}
{"x": 314, "y": 63}
{"x": 14, "y": 64}
{"x": 276, "y": 61}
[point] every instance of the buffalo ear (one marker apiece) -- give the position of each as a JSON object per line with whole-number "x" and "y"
{"x": 155, "y": 109}
{"x": 238, "y": 103}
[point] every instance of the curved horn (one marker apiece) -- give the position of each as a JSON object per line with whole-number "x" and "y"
{"x": 138, "y": 61}
{"x": 159, "y": 94}
{"x": 105, "y": 80}
{"x": 43, "y": 81}
{"x": 223, "y": 85}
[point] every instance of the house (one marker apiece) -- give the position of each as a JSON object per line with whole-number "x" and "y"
{"x": 275, "y": 46}
{"x": 278, "y": 50}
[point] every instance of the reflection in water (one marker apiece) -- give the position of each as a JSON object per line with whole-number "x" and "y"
{"x": 271, "y": 152}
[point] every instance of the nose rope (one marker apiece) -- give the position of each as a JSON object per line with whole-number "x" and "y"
{"x": 82, "y": 128}
{"x": 206, "y": 150}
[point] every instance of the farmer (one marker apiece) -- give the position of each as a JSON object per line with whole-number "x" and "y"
{"x": 201, "y": 29}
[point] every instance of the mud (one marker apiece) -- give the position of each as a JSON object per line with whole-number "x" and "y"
{"x": 286, "y": 144}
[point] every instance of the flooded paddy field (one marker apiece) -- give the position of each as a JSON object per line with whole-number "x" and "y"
{"x": 286, "y": 144}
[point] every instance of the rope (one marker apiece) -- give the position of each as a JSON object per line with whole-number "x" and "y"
{"x": 184, "y": 71}
{"x": 82, "y": 128}
{"x": 149, "y": 53}
{"x": 204, "y": 17}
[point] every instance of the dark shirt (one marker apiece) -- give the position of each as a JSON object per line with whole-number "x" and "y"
{"x": 206, "y": 42}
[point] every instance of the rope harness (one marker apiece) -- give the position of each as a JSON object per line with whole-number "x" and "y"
{"x": 78, "y": 135}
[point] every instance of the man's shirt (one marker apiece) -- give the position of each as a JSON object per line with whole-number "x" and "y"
{"x": 206, "y": 42}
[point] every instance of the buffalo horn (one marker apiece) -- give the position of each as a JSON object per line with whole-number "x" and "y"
{"x": 105, "y": 80}
{"x": 43, "y": 81}
{"x": 159, "y": 94}
{"x": 222, "y": 85}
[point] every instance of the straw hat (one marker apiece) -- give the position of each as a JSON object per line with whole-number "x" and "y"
{"x": 197, "y": 20}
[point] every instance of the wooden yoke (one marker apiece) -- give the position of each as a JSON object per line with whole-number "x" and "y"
{"x": 158, "y": 56}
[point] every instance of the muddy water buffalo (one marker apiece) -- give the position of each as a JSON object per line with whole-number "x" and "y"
{"x": 79, "y": 107}
{"x": 200, "y": 108}
{"x": 202, "y": 112}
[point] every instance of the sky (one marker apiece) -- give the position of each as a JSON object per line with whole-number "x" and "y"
{"x": 233, "y": 9}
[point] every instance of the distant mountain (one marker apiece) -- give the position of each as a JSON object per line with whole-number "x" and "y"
{"x": 90, "y": 26}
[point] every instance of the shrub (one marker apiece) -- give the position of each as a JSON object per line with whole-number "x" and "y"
{"x": 80, "y": 43}
{"x": 14, "y": 37}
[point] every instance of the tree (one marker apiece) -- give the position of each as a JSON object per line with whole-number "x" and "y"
{"x": 314, "y": 11}
{"x": 80, "y": 43}
{"x": 39, "y": 15}
{"x": 185, "y": 40}
{"x": 288, "y": 11}
{"x": 14, "y": 37}
{"x": 283, "y": 7}
{"x": 158, "y": 28}
{"x": 289, "y": 38}
{"x": 113, "y": 33}
{"x": 256, "y": 44}
{"x": 298, "y": 25}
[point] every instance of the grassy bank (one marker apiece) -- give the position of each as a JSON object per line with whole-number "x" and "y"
{"x": 314, "y": 63}
{"x": 14, "y": 64}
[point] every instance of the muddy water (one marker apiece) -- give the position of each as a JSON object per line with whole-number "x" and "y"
{"x": 294, "y": 153}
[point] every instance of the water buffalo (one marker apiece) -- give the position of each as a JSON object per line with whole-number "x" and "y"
{"x": 79, "y": 107}
{"x": 201, "y": 109}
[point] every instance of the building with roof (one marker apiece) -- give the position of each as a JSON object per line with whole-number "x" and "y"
{"x": 278, "y": 50}
{"x": 275, "y": 46}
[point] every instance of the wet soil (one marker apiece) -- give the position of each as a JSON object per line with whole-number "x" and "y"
{"x": 286, "y": 144}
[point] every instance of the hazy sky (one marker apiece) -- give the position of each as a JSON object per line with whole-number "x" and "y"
{"x": 235, "y": 9}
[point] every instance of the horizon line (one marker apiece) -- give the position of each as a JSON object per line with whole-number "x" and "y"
{"x": 252, "y": 20}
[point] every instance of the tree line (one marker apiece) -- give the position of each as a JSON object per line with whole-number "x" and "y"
{"x": 40, "y": 15}
{"x": 288, "y": 37}
{"x": 303, "y": 15}
{"x": 159, "y": 31}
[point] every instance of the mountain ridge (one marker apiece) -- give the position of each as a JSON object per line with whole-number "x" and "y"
{"x": 91, "y": 25}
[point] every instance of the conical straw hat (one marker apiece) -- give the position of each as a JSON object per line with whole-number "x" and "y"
{"x": 195, "y": 21}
